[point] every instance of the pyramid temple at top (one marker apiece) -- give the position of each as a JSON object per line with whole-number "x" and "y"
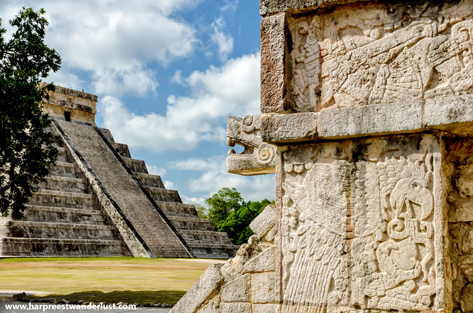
{"x": 98, "y": 201}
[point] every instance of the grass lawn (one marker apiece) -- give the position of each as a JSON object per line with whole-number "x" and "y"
{"x": 104, "y": 279}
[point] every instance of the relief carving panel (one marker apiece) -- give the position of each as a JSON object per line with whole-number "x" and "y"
{"x": 360, "y": 225}
{"x": 379, "y": 53}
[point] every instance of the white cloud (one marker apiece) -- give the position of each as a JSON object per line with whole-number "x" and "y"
{"x": 215, "y": 94}
{"x": 177, "y": 78}
{"x": 169, "y": 185}
{"x": 153, "y": 169}
{"x": 65, "y": 79}
{"x": 230, "y": 5}
{"x": 193, "y": 200}
{"x": 215, "y": 176}
{"x": 222, "y": 40}
{"x": 113, "y": 41}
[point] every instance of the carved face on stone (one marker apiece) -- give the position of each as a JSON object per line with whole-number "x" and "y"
{"x": 411, "y": 199}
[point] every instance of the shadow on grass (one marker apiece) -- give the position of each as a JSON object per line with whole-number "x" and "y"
{"x": 126, "y": 296}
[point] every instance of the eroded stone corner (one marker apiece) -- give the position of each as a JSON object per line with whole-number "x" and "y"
{"x": 245, "y": 283}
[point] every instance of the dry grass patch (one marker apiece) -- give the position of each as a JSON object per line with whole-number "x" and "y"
{"x": 99, "y": 277}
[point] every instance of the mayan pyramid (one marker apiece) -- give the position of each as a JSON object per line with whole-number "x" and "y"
{"x": 99, "y": 201}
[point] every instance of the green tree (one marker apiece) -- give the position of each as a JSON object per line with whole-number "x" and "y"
{"x": 237, "y": 224}
{"x": 229, "y": 213}
{"x": 26, "y": 146}
{"x": 221, "y": 204}
{"x": 202, "y": 211}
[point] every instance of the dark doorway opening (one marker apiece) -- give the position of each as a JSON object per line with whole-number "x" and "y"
{"x": 67, "y": 116}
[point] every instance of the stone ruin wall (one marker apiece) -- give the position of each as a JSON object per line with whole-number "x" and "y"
{"x": 367, "y": 121}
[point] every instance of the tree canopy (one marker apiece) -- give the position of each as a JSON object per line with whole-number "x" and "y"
{"x": 27, "y": 148}
{"x": 228, "y": 212}
{"x": 222, "y": 203}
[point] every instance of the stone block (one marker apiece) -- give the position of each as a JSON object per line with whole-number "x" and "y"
{"x": 445, "y": 111}
{"x": 237, "y": 290}
{"x": 371, "y": 120}
{"x": 263, "y": 288}
{"x": 212, "y": 306}
{"x": 274, "y": 89}
{"x": 235, "y": 308}
{"x": 265, "y": 308}
{"x": 462, "y": 212}
{"x": 467, "y": 298}
{"x": 200, "y": 291}
{"x": 263, "y": 262}
{"x": 264, "y": 221}
{"x": 273, "y": 6}
{"x": 271, "y": 235}
{"x": 289, "y": 127}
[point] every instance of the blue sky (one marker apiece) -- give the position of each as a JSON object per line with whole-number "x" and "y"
{"x": 168, "y": 73}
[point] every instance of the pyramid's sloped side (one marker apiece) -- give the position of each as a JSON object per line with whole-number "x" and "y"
{"x": 133, "y": 203}
{"x": 198, "y": 234}
{"x": 64, "y": 217}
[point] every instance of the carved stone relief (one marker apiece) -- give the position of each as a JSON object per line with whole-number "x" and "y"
{"x": 358, "y": 225}
{"x": 378, "y": 53}
{"x": 258, "y": 157}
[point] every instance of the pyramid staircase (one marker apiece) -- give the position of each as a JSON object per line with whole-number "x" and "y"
{"x": 198, "y": 233}
{"x": 62, "y": 219}
{"x": 98, "y": 201}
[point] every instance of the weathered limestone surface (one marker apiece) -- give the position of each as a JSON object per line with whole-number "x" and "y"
{"x": 370, "y": 107}
{"x": 371, "y": 119}
{"x": 274, "y": 51}
{"x": 289, "y": 127}
{"x": 205, "y": 287}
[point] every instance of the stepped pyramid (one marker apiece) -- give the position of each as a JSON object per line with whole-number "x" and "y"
{"x": 99, "y": 201}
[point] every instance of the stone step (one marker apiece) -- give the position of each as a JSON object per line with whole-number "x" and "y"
{"x": 166, "y": 195}
{"x": 107, "y": 134}
{"x": 37, "y": 247}
{"x": 191, "y": 223}
{"x": 135, "y": 165}
{"x": 37, "y": 213}
{"x": 28, "y": 229}
{"x": 122, "y": 149}
{"x": 210, "y": 251}
{"x": 57, "y": 198}
{"x": 63, "y": 157}
{"x": 149, "y": 180}
{"x": 63, "y": 183}
{"x": 204, "y": 237}
{"x": 64, "y": 169}
{"x": 177, "y": 209}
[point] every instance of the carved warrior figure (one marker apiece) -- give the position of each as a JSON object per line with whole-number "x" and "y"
{"x": 392, "y": 250}
{"x": 377, "y": 57}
